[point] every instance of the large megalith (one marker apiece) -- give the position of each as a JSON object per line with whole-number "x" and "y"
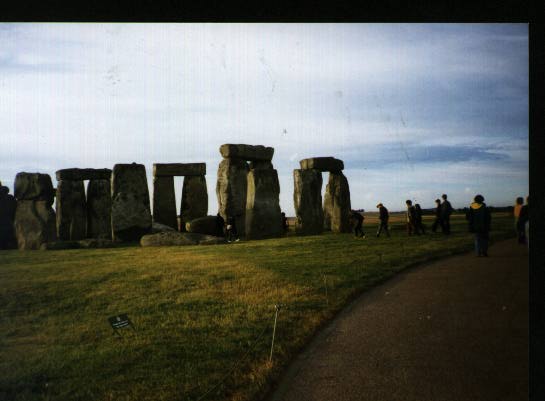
{"x": 71, "y": 210}
{"x": 337, "y": 204}
{"x": 8, "y": 204}
{"x": 131, "y": 215}
{"x": 99, "y": 209}
{"x": 307, "y": 199}
{"x": 263, "y": 215}
{"x": 34, "y": 220}
{"x": 231, "y": 189}
{"x": 194, "y": 202}
{"x": 164, "y": 201}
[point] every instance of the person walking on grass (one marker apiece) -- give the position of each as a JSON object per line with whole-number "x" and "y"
{"x": 358, "y": 224}
{"x": 437, "y": 221}
{"x": 446, "y": 211}
{"x": 523, "y": 217}
{"x": 383, "y": 218}
{"x": 411, "y": 218}
{"x": 479, "y": 224}
{"x": 419, "y": 224}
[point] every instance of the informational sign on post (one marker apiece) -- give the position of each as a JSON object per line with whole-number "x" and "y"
{"x": 119, "y": 322}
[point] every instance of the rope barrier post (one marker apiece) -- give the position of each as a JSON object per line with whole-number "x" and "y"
{"x": 277, "y": 308}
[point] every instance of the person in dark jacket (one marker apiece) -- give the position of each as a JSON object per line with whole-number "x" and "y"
{"x": 437, "y": 221}
{"x": 358, "y": 224}
{"x": 220, "y": 225}
{"x": 419, "y": 225}
{"x": 479, "y": 224}
{"x": 231, "y": 229}
{"x": 521, "y": 222}
{"x": 383, "y": 218}
{"x": 411, "y": 218}
{"x": 285, "y": 224}
{"x": 446, "y": 211}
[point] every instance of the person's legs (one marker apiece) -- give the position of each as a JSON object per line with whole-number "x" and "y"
{"x": 477, "y": 244}
{"x": 484, "y": 244}
{"x": 386, "y": 229}
{"x": 409, "y": 228}
{"x": 379, "y": 229}
{"x": 447, "y": 225}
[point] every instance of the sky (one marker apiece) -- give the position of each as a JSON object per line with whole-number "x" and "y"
{"x": 413, "y": 110}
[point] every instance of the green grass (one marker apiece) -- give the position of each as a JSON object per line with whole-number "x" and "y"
{"x": 197, "y": 311}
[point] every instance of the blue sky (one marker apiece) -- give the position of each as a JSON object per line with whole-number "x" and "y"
{"x": 414, "y": 110}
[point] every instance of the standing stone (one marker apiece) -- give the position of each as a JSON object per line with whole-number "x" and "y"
{"x": 307, "y": 198}
{"x": 337, "y": 204}
{"x": 34, "y": 186}
{"x": 71, "y": 210}
{"x": 34, "y": 224}
{"x": 131, "y": 215}
{"x": 263, "y": 216}
{"x": 194, "y": 199}
{"x": 164, "y": 202}
{"x": 231, "y": 189}
{"x": 99, "y": 209}
{"x": 8, "y": 205}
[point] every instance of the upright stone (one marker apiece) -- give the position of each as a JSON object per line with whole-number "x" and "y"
{"x": 8, "y": 205}
{"x": 34, "y": 224}
{"x": 337, "y": 204}
{"x": 263, "y": 216}
{"x": 194, "y": 199}
{"x": 131, "y": 215}
{"x": 164, "y": 201}
{"x": 34, "y": 186}
{"x": 231, "y": 189}
{"x": 71, "y": 210}
{"x": 307, "y": 198}
{"x": 99, "y": 209}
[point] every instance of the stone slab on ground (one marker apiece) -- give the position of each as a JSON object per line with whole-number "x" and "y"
{"x": 203, "y": 225}
{"x": 178, "y": 169}
{"x": 176, "y": 239}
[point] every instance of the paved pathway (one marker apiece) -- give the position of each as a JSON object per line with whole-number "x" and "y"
{"x": 455, "y": 329}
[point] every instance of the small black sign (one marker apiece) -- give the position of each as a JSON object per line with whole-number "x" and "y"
{"x": 120, "y": 321}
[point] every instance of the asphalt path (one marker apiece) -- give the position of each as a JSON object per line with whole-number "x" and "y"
{"x": 455, "y": 329}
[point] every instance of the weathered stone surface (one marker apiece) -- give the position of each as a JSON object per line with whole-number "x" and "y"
{"x": 59, "y": 245}
{"x": 177, "y": 238}
{"x": 80, "y": 174}
{"x": 71, "y": 210}
{"x": 337, "y": 204}
{"x": 322, "y": 164}
{"x": 247, "y": 152}
{"x": 34, "y": 223}
{"x": 99, "y": 209}
{"x": 212, "y": 240}
{"x": 202, "y": 225}
{"x": 164, "y": 201}
{"x": 307, "y": 198}
{"x": 8, "y": 204}
{"x": 178, "y": 169}
{"x": 34, "y": 186}
{"x": 260, "y": 164}
{"x": 159, "y": 228}
{"x": 131, "y": 216}
{"x": 194, "y": 199}
{"x": 81, "y": 244}
{"x": 231, "y": 189}
{"x": 263, "y": 215}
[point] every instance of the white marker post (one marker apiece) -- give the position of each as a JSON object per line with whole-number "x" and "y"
{"x": 277, "y": 308}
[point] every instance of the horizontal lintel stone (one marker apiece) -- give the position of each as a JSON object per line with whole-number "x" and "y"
{"x": 78, "y": 174}
{"x": 178, "y": 169}
{"x": 247, "y": 152}
{"x": 322, "y": 164}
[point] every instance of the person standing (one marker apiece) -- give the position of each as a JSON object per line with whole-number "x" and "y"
{"x": 479, "y": 224}
{"x": 231, "y": 230}
{"x": 446, "y": 211}
{"x": 521, "y": 222}
{"x": 383, "y": 218}
{"x": 358, "y": 224}
{"x": 519, "y": 202}
{"x": 411, "y": 218}
{"x": 419, "y": 224}
{"x": 437, "y": 221}
{"x": 220, "y": 225}
{"x": 285, "y": 224}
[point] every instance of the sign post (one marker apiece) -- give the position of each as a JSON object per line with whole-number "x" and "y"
{"x": 120, "y": 321}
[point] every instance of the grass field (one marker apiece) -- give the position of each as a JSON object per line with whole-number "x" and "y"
{"x": 203, "y": 315}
